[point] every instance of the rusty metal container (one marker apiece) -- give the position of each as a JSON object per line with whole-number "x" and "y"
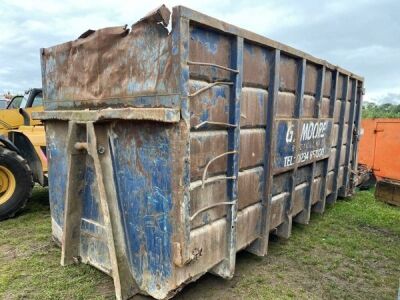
{"x": 379, "y": 149}
{"x": 171, "y": 151}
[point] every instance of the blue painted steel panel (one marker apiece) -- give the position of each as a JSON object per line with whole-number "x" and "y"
{"x": 315, "y": 141}
{"x": 56, "y": 153}
{"x": 142, "y": 170}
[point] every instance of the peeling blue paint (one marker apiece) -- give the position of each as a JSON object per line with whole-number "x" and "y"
{"x": 142, "y": 167}
{"x": 90, "y": 209}
{"x": 260, "y": 98}
{"x": 56, "y": 151}
{"x": 206, "y": 218}
{"x": 134, "y": 86}
{"x": 219, "y": 92}
{"x": 208, "y": 38}
{"x": 204, "y": 115}
{"x": 248, "y": 48}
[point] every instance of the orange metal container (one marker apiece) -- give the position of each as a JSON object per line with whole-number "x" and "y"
{"x": 380, "y": 147}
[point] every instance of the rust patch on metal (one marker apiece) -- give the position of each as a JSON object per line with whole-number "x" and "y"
{"x": 311, "y": 80}
{"x": 203, "y": 148}
{"x": 288, "y": 74}
{"x": 285, "y": 105}
{"x": 253, "y": 107}
{"x": 159, "y": 15}
{"x": 206, "y": 46}
{"x": 256, "y": 66}
{"x": 327, "y": 84}
{"x": 252, "y": 142}
{"x": 308, "y": 106}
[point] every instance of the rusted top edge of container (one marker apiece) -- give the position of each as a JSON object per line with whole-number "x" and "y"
{"x": 167, "y": 115}
{"x": 254, "y": 37}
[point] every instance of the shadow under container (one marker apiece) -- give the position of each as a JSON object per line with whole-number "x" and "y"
{"x": 171, "y": 151}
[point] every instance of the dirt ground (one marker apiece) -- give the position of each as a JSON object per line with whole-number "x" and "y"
{"x": 352, "y": 252}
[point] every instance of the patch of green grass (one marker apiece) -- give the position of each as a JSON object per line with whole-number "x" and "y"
{"x": 352, "y": 251}
{"x": 30, "y": 261}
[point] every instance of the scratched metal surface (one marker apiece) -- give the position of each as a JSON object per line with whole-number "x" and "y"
{"x": 110, "y": 68}
{"x": 265, "y": 136}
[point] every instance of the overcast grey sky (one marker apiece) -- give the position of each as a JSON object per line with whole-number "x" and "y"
{"x": 362, "y": 36}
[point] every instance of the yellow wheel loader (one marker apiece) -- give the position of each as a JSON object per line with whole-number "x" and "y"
{"x": 23, "y": 159}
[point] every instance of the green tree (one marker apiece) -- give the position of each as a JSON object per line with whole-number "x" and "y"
{"x": 371, "y": 110}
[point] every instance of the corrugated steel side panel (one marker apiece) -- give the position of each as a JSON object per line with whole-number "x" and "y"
{"x": 265, "y": 135}
{"x": 381, "y": 141}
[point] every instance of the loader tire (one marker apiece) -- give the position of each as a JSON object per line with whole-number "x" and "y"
{"x": 16, "y": 183}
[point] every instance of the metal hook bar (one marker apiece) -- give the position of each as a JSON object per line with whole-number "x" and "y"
{"x": 210, "y": 86}
{"x": 211, "y": 206}
{"x": 195, "y": 63}
{"x": 81, "y": 146}
{"x": 210, "y": 162}
{"x": 214, "y": 123}
{"x": 211, "y": 180}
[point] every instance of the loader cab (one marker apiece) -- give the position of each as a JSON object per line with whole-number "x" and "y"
{"x": 31, "y": 98}
{"x": 31, "y": 101}
{"x": 4, "y": 103}
{"x": 15, "y": 102}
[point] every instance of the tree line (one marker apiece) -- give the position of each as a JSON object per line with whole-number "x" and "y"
{"x": 372, "y": 110}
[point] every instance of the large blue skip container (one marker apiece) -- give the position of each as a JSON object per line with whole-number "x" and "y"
{"x": 171, "y": 151}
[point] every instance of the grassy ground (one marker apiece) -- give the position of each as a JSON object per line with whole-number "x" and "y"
{"x": 352, "y": 252}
